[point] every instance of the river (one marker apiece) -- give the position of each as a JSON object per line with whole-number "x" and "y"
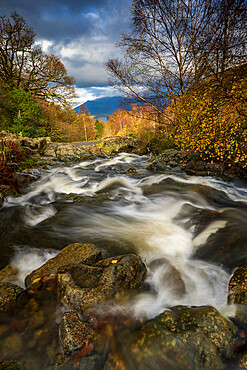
{"x": 195, "y": 225}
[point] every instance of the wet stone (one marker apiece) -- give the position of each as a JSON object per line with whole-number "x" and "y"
{"x": 237, "y": 289}
{"x": 10, "y": 365}
{"x": 7, "y": 273}
{"x": 9, "y": 294}
{"x": 76, "y": 335}
{"x": 83, "y": 286}
{"x": 12, "y": 346}
{"x": 182, "y": 338}
{"x": 73, "y": 253}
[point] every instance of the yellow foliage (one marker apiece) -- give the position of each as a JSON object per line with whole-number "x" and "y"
{"x": 212, "y": 127}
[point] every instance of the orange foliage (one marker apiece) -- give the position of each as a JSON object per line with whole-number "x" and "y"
{"x": 66, "y": 125}
{"x": 140, "y": 121}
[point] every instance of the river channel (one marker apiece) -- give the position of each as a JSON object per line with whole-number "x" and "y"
{"x": 197, "y": 225}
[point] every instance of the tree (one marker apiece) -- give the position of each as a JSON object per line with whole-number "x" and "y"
{"x": 99, "y": 128}
{"x": 175, "y": 44}
{"x": 22, "y": 65}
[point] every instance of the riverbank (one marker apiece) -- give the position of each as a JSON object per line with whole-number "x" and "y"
{"x": 42, "y": 153}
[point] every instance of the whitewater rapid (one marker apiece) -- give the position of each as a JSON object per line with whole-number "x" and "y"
{"x": 125, "y": 208}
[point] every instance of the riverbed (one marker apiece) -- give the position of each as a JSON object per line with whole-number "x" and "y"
{"x": 196, "y": 226}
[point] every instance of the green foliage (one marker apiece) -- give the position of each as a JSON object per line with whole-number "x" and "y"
{"x": 20, "y": 113}
{"x": 28, "y": 131}
{"x": 99, "y": 127}
{"x": 25, "y": 110}
{"x": 158, "y": 142}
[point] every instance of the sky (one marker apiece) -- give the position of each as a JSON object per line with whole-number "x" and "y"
{"x": 82, "y": 33}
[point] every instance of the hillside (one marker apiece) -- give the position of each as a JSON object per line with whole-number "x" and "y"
{"x": 104, "y": 107}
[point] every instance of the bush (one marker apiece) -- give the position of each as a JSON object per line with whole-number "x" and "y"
{"x": 212, "y": 128}
{"x": 11, "y": 155}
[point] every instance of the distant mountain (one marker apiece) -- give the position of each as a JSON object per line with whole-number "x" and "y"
{"x": 104, "y": 107}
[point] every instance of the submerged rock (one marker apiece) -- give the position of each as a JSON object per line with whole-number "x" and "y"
{"x": 76, "y": 334}
{"x": 9, "y": 294}
{"x": 237, "y": 289}
{"x": 83, "y": 286}
{"x": 73, "y": 253}
{"x": 183, "y": 338}
{"x": 10, "y": 365}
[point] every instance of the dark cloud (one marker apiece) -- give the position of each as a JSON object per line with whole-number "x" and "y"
{"x": 82, "y": 33}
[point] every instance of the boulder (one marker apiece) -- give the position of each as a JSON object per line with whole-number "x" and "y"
{"x": 182, "y": 338}
{"x": 237, "y": 288}
{"x": 84, "y": 286}
{"x": 9, "y": 294}
{"x": 73, "y": 253}
{"x": 75, "y": 334}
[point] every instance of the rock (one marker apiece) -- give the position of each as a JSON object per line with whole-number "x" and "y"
{"x": 73, "y": 253}
{"x": 36, "y": 320}
{"x": 13, "y": 345}
{"x": 183, "y": 338}
{"x": 75, "y": 334}
{"x": 84, "y": 286}
{"x": 242, "y": 361}
{"x": 10, "y": 365}
{"x": 37, "y": 143}
{"x": 7, "y": 273}
{"x": 237, "y": 288}
{"x": 9, "y": 294}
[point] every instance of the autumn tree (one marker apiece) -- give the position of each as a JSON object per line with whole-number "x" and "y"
{"x": 175, "y": 44}
{"x": 24, "y": 66}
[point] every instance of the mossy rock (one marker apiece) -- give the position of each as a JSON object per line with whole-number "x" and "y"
{"x": 84, "y": 286}
{"x": 9, "y": 294}
{"x": 182, "y": 338}
{"x": 73, "y": 253}
{"x": 10, "y": 365}
{"x": 237, "y": 289}
{"x": 75, "y": 334}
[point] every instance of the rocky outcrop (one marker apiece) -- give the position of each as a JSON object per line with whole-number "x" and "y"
{"x": 73, "y": 253}
{"x": 182, "y": 338}
{"x": 187, "y": 161}
{"x": 38, "y": 144}
{"x": 83, "y": 286}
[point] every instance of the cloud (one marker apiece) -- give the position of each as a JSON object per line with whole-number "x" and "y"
{"x": 94, "y": 92}
{"x": 82, "y": 33}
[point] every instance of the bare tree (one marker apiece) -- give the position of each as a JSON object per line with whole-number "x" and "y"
{"x": 24, "y": 66}
{"x": 174, "y": 44}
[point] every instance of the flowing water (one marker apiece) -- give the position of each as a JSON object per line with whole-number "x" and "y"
{"x": 190, "y": 231}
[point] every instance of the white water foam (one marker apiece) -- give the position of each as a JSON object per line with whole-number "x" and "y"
{"x": 151, "y": 223}
{"x": 26, "y": 259}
